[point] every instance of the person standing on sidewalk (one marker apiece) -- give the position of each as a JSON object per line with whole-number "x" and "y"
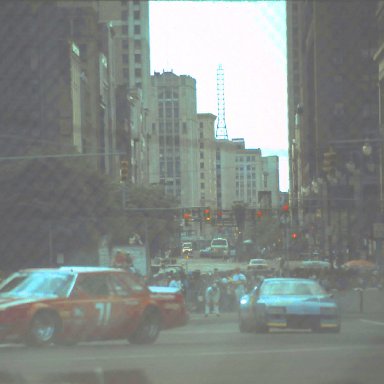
{"x": 212, "y": 298}
{"x": 239, "y": 282}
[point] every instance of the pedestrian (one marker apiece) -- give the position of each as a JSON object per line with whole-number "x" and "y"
{"x": 212, "y": 298}
{"x": 239, "y": 282}
{"x": 176, "y": 282}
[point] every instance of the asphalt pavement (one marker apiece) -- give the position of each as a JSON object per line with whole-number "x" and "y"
{"x": 213, "y": 351}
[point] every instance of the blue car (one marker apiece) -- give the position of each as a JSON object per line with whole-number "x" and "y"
{"x": 288, "y": 303}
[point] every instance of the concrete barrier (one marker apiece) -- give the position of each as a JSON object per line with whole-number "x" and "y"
{"x": 370, "y": 300}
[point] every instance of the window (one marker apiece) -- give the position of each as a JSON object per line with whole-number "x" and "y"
{"x": 125, "y": 58}
{"x": 124, "y": 15}
{"x": 124, "y": 44}
{"x": 125, "y": 73}
{"x": 124, "y": 29}
{"x": 94, "y": 285}
{"x": 202, "y": 185}
{"x": 137, "y": 58}
{"x": 184, "y": 127}
{"x": 138, "y": 72}
{"x": 137, "y": 30}
{"x": 136, "y": 15}
{"x": 201, "y": 125}
{"x": 137, "y": 44}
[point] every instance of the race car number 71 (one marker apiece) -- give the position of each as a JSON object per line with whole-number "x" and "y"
{"x": 104, "y": 313}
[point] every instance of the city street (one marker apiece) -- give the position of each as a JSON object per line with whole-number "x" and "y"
{"x": 212, "y": 350}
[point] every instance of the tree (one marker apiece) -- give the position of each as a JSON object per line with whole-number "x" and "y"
{"x": 51, "y": 205}
{"x": 150, "y": 213}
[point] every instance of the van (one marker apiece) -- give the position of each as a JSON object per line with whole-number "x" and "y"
{"x": 220, "y": 247}
{"x": 187, "y": 248}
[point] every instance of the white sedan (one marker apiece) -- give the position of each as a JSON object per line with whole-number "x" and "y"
{"x": 258, "y": 265}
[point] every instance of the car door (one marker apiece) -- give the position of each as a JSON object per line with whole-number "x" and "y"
{"x": 130, "y": 299}
{"x": 94, "y": 311}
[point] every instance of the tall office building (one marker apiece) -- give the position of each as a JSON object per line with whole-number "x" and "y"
{"x": 48, "y": 100}
{"x": 333, "y": 108}
{"x": 174, "y": 142}
{"x": 128, "y": 22}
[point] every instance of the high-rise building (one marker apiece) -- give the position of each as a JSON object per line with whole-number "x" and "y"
{"x": 47, "y": 93}
{"x": 174, "y": 143}
{"x": 129, "y": 24}
{"x": 333, "y": 108}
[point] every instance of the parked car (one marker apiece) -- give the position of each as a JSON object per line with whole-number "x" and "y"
{"x": 206, "y": 252}
{"x": 71, "y": 304}
{"x": 258, "y": 265}
{"x": 220, "y": 247}
{"x": 288, "y": 303}
{"x": 187, "y": 248}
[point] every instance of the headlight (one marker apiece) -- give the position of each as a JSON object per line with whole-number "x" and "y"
{"x": 244, "y": 300}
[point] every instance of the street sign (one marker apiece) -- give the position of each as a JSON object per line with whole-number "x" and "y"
{"x": 378, "y": 230}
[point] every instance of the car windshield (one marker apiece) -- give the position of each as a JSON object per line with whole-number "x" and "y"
{"x": 37, "y": 284}
{"x": 219, "y": 242}
{"x": 291, "y": 288}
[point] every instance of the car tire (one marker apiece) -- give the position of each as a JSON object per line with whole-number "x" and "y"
{"x": 43, "y": 329}
{"x": 148, "y": 330}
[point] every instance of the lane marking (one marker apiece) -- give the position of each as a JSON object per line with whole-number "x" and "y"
{"x": 211, "y": 354}
{"x": 372, "y": 322}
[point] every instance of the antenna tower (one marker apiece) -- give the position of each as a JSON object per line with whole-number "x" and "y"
{"x": 221, "y": 128}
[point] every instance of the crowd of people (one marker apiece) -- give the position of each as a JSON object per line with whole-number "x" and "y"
{"x": 220, "y": 291}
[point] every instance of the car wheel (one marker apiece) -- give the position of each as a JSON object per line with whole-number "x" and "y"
{"x": 42, "y": 329}
{"x": 148, "y": 330}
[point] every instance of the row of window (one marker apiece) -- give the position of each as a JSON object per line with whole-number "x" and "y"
{"x": 136, "y": 14}
{"x": 125, "y": 58}
{"x": 245, "y": 158}
{"x": 136, "y": 44}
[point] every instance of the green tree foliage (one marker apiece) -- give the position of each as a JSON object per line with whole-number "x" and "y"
{"x": 48, "y": 201}
{"x": 150, "y": 213}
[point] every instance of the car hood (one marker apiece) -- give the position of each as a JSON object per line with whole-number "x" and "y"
{"x": 285, "y": 300}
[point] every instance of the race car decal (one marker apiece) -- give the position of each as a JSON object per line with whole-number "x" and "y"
{"x": 104, "y": 313}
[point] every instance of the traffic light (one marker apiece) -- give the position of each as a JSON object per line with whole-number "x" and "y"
{"x": 285, "y": 208}
{"x": 207, "y": 214}
{"x": 329, "y": 161}
{"x": 124, "y": 170}
{"x": 294, "y": 235}
{"x": 187, "y": 217}
{"x": 259, "y": 214}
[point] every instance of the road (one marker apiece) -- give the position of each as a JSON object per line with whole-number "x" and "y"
{"x": 213, "y": 351}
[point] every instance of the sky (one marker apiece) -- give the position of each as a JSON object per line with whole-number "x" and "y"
{"x": 248, "y": 38}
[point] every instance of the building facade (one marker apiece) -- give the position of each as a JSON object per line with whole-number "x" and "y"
{"x": 333, "y": 113}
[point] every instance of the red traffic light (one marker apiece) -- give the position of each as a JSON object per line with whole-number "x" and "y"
{"x": 294, "y": 235}
{"x": 259, "y": 213}
{"x": 186, "y": 216}
{"x": 285, "y": 208}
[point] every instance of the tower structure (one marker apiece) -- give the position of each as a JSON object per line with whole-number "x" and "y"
{"x": 221, "y": 128}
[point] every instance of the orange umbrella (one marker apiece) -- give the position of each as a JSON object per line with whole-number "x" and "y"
{"x": 359, "y": 264}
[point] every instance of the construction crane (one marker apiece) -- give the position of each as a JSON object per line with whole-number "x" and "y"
{"x": 221, "y": 127}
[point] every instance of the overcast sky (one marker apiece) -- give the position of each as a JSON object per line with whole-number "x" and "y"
{"x": 248, "y": 38}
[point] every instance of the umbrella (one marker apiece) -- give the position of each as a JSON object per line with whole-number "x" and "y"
{"x": 359, "y": 264}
